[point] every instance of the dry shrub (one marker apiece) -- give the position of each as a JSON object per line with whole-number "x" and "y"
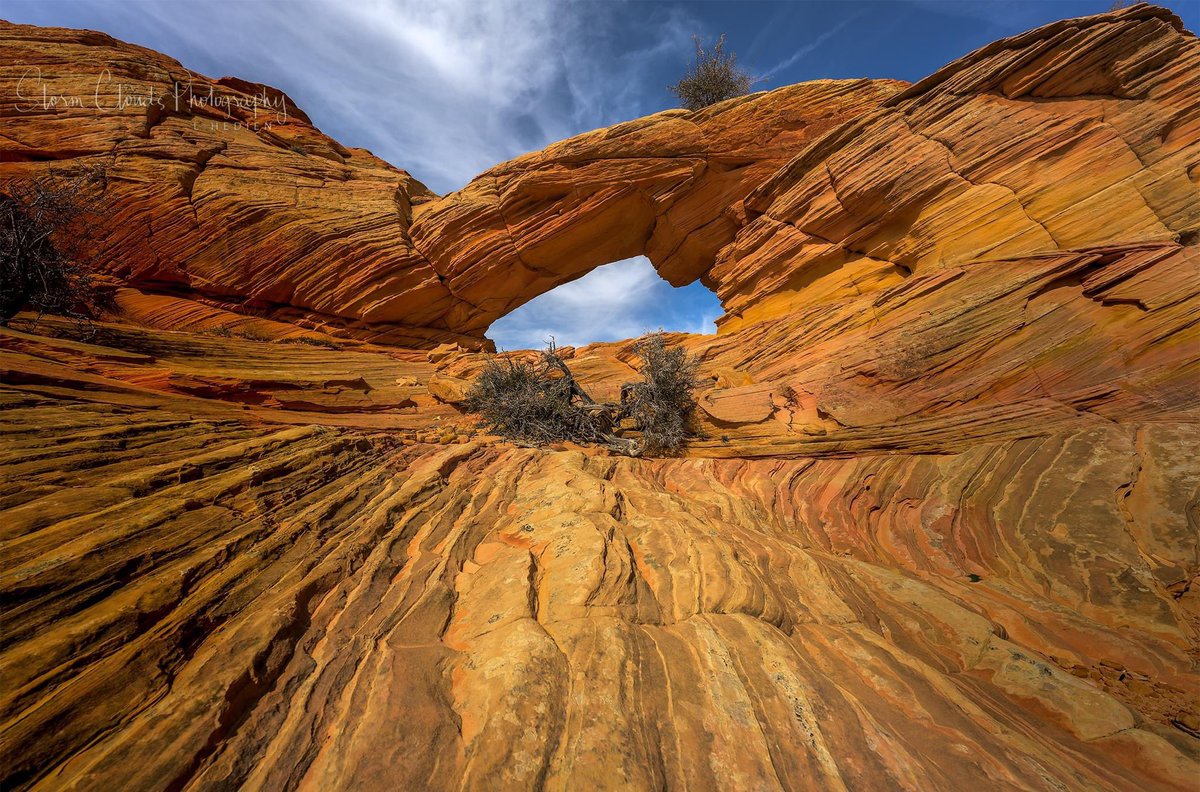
{"x": 534, "y": 402}
{"x": 44, "y": 243}
{"x": 539, "y": 402}
{"x": 315, "y": 341}
{"x": 713, "y": 76}
{"x": 662, "y": 405}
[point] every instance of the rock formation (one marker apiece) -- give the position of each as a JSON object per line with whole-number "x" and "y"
{"x": 942, "y": 532}
{"x": 219, "y": 189}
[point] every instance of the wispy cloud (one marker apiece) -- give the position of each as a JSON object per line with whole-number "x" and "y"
{"x": 620, "y": 300}
{"x": 812, "y": 46}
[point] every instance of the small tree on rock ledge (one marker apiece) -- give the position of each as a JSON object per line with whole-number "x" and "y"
{"x": 712, "y": 77}
{"x": 662, "y": 405}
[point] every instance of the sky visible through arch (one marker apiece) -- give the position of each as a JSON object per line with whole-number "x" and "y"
{"x": 624, "y": 299}
{"x": 447, "y": 88}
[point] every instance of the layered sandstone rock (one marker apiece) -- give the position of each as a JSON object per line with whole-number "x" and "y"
{"x": 941, "y": 531}
{"x": 1076, "y": 135}
{"x": 219, "y": 190}
{"x": 207, "y": 592}
{"x": 666, "y": 186}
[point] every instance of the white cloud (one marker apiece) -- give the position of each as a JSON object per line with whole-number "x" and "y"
{"x": 620, "y": 300}
{"x": 813, "y": 45}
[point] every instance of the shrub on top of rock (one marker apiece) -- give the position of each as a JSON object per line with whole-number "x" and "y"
{"x": 713, "y": 76}
{"x": 662, "y": 405}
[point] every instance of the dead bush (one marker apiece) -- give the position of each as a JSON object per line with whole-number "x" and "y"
{"x": 45, "y": 261}
{"x": 534, "y": 402}
{"x": 662, "y": 405}
{"x": 539, "y": 402}
{"x": 712, "y": 76}
{"x": 315, "y": 341}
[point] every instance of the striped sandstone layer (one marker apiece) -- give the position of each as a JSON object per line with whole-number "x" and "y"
{"x": 942, "y": 531}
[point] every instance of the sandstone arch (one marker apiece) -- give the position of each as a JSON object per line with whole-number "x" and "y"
{"x": 667, "y": 186}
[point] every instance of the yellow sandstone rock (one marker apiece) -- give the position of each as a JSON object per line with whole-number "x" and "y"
{"x": 939, "y": 534}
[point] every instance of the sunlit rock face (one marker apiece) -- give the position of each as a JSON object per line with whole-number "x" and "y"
{"x": 668, "y": 186}
{"x": 941, "y": 531}
{"x": 220, "y": 190}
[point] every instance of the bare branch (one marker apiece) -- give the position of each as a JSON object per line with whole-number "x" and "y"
{"x": 45, "y": 236}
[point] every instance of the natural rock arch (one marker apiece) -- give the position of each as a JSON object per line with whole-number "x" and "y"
{"x": 751, "y": 195}
{"x": 667, "y": 186}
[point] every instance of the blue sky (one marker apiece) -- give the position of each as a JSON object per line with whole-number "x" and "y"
{"x": 447, "y": 88}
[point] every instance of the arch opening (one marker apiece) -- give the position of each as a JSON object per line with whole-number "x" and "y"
{"x": 613, "y": 302}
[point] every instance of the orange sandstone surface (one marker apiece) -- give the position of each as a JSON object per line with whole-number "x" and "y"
{"x": 942, "y": 530}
